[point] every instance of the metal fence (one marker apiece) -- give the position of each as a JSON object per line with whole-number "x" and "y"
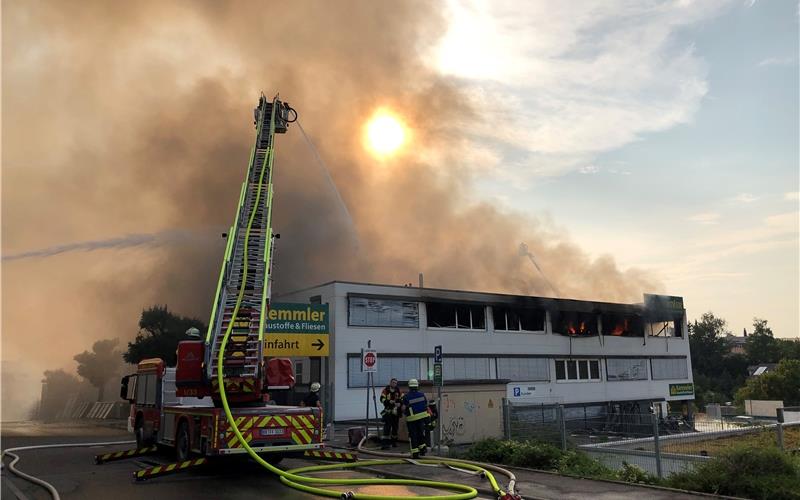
{"x": 659, "y": 444}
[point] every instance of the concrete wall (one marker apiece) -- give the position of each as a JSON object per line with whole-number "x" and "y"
{"x": 349, "y": 403}
{"x": 762, "y": 408}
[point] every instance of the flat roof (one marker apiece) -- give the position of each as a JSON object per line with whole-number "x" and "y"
{"x": 490, "y": 298}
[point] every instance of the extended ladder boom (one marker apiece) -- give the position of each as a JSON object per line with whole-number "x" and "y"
{"x": 251, "y": 232}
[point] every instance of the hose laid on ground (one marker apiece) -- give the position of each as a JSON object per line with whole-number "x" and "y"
{"x": 41, "y": 482}
{"x": 512, "y": 479}
{"x": 292, "y": 477}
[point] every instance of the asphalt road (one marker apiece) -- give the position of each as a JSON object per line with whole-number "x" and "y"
{"x": 73, "y": 473}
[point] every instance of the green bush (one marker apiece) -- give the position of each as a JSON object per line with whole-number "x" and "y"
{"x": 535, "y": 455}
{"x": 631, "y": 473}
{"x": 576, "y": 463}
{"x": 493, "y": 451}
{"x": 758, "y": 473}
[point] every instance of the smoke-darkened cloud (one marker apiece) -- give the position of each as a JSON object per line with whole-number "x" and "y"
{"x": 135, "y": 118}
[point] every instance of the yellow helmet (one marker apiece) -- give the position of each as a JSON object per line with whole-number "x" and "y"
{"x": 413, "y": 383}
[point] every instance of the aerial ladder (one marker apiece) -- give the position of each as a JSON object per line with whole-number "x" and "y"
{"x": 238, "y": 419}
{"x": 250, "y": 238}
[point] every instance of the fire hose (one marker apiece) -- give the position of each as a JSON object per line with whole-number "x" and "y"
{"x": 41, "y": 482}
{"x": 294, "y": 478}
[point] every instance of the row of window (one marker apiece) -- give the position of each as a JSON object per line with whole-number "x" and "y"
{"x": 404, "y": 314}
{"x": 518, "y": 369}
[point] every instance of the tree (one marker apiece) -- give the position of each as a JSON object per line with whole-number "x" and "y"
{"x": 708, "y": 344}
{"x": 716, "y": 372}
{"x": 790, "y": 349}
{"x": 58, "y": 387}
{"x": 100, "y": 365}
{"x": 782, "y": 384}
{"x": 761, "y": 346}
{"x": 159, "y": 333}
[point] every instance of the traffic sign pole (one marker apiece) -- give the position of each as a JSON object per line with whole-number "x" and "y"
{"x": 369, "y": 364}
{"x": 437, "y": 367}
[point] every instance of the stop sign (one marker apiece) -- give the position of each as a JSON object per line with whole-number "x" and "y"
{"x": 369, "y": 362}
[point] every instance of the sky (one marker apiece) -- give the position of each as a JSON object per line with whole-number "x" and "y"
{"x": 632, "y": 146}
{"x": 663, "y": 134}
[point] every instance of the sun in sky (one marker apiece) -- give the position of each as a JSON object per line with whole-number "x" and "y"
{"x": 385, "y": 133}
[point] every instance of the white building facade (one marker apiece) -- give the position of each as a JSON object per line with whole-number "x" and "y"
{"x": 546, "y": 350}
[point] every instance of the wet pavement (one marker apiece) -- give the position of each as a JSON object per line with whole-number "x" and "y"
{"x": 73, "y": 472}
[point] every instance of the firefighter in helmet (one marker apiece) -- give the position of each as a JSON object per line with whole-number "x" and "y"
{"x": 415, "y": 409}
{"x": 390, "y": 399}
{"x": 312, "y": 399}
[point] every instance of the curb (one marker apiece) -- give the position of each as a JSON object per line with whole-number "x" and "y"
{"x": 624, "y": 483}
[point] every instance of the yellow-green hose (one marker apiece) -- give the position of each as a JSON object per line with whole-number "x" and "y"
{"x": 292, "y": 477}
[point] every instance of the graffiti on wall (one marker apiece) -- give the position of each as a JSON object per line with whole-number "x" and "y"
{"x": 453, "y": 428}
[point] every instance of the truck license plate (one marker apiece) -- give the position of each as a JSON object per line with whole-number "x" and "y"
{"x": 272, "y": 431}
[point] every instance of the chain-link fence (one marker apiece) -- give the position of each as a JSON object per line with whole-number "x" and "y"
{"x": 659, "y": 444}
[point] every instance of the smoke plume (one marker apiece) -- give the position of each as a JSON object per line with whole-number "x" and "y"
{"x": 136, "y": 118}
{"x": 127, "y": 241}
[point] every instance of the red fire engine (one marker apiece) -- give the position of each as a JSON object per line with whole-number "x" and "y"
{"x": 194, "y": 425}
{"x": 180, "y": 407}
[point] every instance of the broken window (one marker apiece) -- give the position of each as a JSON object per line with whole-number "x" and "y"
{"x": 380, "y": 312}
{"x": 461, "y": 316}
{"x": 517, "y": 319}
{"x": 664, "y": 314}
{"x": 620, "y": 325}
{"x": 666, "y": 328}
{"x": 577, "y": 324}
{"x": 626, "y": 369}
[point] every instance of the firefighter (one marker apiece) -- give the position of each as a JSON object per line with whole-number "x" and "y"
{"x": 430, "y": 425}
{"x": 415, "y": 409}
{"x": 390, "y": 399}
{"x": 312, "y": 400}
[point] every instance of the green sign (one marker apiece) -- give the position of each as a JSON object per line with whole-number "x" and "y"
{"x": 681, "y": 389}
{"x": 437, "y": 375}
{"x": 297, "y": 318}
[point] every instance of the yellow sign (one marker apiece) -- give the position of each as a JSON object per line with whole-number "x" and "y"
{"x": 296, "y": 344}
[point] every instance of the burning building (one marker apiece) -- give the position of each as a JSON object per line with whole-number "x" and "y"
{"x": 536, "y": 349}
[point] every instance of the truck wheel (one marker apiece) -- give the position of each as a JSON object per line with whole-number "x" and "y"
{"x": 182, "y": 446}
{"x": 138, "y": 430}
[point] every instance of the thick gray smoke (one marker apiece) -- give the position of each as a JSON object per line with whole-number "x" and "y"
{"x": 135, "y": 118}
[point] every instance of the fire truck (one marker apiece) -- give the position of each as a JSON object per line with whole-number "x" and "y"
{"x": 180, "y": 407}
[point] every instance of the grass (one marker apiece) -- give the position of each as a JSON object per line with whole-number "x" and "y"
{"x": 766, "y": 438}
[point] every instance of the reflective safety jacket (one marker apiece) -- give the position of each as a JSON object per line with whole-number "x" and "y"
{"x": 390, "y": 399}
{"x": 416, "y": 405}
